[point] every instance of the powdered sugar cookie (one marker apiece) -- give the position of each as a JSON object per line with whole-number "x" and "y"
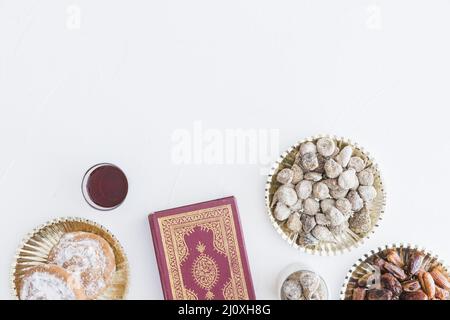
{"x": 50, "y": 282}
{"x": 88, "y": 258}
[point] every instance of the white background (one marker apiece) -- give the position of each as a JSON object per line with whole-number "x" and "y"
{"x": 116, "y": 88}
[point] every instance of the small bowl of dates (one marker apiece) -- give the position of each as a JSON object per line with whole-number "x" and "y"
{"x": 397, "y": 272}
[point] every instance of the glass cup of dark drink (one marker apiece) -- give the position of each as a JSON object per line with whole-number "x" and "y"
{"x": 105, "y": 186}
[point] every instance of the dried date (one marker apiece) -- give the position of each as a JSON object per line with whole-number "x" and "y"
{"x": 440, "y": 279}
{"x": 393, "y": 257}
{"x": 388, "y": 281}
{"x": 411, "y": 285}
{"x": 379, "y": 294}
{"x": 416, "y": 295}
{"x": 415, "y": 262}
{"x": 395, "y": 271}
{"x": 359, "y": 294}
{"x": 428, "y": 285}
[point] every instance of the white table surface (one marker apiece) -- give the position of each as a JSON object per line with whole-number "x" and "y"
{"x": 83, "y": 82}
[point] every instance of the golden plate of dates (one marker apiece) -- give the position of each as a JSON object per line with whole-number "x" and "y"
{"x": 397, "y": 272}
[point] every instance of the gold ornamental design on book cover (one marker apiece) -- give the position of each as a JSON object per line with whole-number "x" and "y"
{"x": 202, "y": 254}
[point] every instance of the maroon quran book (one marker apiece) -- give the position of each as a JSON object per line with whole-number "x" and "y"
{"x": 201, "y": 253}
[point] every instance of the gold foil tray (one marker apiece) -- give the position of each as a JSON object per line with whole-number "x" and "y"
{"x": 36, "y": 246}
{"x": 348, "y": 240}
{"x": 362, "y": 266}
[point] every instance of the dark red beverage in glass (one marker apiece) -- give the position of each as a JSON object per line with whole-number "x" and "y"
{"x": 105, "y": 186}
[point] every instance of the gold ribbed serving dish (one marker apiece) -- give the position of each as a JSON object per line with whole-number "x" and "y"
{"x": 36, "y": 246}
{"x": 363, "y": 267}
{"x": 348, "y": 240}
